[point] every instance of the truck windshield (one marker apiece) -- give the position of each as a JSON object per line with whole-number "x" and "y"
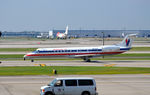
{"x": 52, "y": 83}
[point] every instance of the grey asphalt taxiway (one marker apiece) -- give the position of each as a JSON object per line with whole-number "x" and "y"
{"x": 47, "y": 43}
{"x": 106, "y": 84}
{"x": 119, "y": 63}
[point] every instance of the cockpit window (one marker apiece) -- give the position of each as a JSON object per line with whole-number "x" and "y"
{"x": 35, "y": 51}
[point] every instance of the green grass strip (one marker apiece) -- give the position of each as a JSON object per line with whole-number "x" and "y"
{"x": 69, "y": 70}
{"x": 32, "y": 49}
{"x": 140, "y": 49}
{"x": 11, "y": 56}
{"x": 133, "y": 55}
{"x": 17, "y": 49}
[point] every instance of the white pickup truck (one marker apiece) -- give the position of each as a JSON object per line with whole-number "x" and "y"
{"x": 70, "y": 86}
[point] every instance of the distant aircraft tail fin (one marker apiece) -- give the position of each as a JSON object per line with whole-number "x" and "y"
{"x": 66, "y": 32}
{"x": 127, "y": 41}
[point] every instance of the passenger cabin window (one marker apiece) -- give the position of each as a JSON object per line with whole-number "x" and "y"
{"x": 59, "y": 83}
{"x": 85, "y": 82}
{"x": 99, "y": 50}
{"x": 51, "y": 51}
{"x": 73, "y": 50}
{"x": 83, "y": 50}
{"x": 71, "y": 82}
{"x": 92, "y": 50}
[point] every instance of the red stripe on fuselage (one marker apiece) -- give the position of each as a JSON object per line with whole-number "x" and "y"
{"x": 74, "y": 53}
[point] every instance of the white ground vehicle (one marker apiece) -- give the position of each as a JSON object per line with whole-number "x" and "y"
{"x": 70, "y": 86}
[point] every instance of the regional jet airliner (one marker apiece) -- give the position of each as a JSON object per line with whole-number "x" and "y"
{"x": 84, "y": 53}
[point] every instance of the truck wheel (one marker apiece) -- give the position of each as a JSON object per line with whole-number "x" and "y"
{"x": 49, "y": 93}
{"x": 86, "y": 93}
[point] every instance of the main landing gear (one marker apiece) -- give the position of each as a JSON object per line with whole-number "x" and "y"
{"x": 32, "y": 60}
{"x": 87, "y": 59}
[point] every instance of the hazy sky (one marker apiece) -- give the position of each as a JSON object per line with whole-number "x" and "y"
{"x": 43, "y": 15}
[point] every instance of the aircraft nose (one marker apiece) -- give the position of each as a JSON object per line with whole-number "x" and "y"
{"x": 26, "y": 56}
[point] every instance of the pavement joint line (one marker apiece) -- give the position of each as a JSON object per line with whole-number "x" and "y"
{"x": 22, "y": 83}
{"x": 97, "y": 76}
{"x": 48, "y": 82}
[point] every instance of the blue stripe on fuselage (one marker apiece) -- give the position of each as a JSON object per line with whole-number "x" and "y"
{"x": 125, "y": 48}
{"x": 77, "y": 50}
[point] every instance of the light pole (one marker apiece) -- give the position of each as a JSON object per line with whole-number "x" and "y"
{"x": 103, "y": 38}
{"x": 103, "y": 43}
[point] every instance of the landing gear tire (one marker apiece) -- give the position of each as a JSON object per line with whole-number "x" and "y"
{"x": 32, "y": 60}
{"x": 86, "y": 59}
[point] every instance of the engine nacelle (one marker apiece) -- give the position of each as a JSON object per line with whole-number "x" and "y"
{"x": 110, "y": 49}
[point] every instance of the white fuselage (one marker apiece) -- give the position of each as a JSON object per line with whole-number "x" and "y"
{"x": 82, "y": 52}
{"x": 76, "y": 52}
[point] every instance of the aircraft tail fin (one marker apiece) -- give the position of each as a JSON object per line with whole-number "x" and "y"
{"x": 66, "y": 32}
{"x": 127, "y": 41}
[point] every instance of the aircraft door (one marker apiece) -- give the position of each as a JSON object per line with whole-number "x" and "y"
{"x": 59, "y": 88}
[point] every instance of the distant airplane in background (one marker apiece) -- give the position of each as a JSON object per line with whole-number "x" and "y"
{"x": 84, "y": 53}
{"x": 45, "y": 35}
{"x": 62, "y": 35}
{"x": 42, "y": 35}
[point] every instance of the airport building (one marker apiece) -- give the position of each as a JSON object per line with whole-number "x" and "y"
{"x": 80, "y": 33}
